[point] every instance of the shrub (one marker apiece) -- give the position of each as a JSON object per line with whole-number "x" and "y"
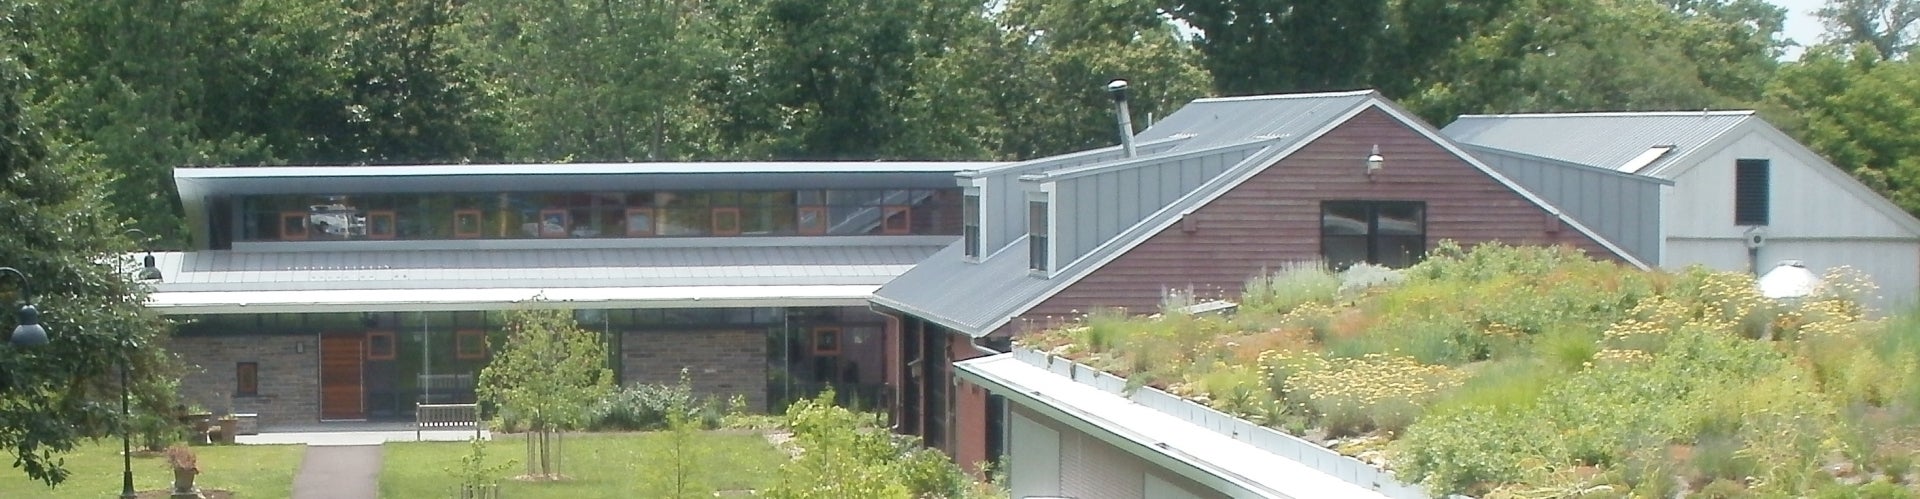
{"x": 644, "y": 407}
{"x": 1296, "y": 283}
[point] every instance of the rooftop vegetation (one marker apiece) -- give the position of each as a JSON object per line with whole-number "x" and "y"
{"x": 1538, "y": 372}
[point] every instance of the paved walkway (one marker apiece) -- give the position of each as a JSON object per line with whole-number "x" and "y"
{"x": 339, "y": 472}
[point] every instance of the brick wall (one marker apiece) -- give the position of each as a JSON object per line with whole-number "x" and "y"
{"x": 721, "y": 363}
{"x": 289, "y": 391}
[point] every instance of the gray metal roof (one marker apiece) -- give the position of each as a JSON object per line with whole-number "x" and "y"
{"x": 578, "y": 169}
{"x": 977, "y": 298}
{"x": 1227, "y": 120}
{"x": 536, "y": 268}
{"x": 1605, "y": 140}
{"x": 1623, "y": 208}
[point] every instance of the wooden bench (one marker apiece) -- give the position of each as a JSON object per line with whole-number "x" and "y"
{"x": 454, "y": 416}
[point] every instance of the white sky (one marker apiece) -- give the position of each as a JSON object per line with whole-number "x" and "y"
{"x": 1801, "y": 26}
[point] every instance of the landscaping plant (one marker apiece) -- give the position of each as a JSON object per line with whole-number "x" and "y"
{"x": 1500, "y": 371}
{"x": 548, "y": 373}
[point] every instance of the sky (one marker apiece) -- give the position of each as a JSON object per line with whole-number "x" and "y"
{"x": 1801, "y": 26}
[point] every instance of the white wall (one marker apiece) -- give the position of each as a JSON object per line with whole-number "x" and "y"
{"x": 1813, "y": 218}
{"x": 1033, "y": 461}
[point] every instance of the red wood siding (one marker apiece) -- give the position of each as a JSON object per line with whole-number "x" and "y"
{"x": 1275, "y": 218}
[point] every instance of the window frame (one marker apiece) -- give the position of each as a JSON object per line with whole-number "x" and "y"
{"x": 374, "y": 352}
{"x": 470, "y": 344}
{"x": 1372, "y": 239}
{"x": 246, "y": 379}
{"x": 970, "y": 225}
{"x": 374, "y": 220}
{"x": 300, "y": 217}
{"x": 1750, "y": 208}
{"x": 1039, "y": 235}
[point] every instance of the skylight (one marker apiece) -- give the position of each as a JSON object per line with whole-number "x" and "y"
{"x": 1646, "y": 158}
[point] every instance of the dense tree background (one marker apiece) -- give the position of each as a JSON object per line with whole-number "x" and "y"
{"x": 100, "y": 99}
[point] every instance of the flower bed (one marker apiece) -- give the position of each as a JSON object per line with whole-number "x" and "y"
{"x": 1525, "y": 372}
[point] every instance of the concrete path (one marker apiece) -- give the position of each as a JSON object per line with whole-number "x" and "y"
{"x": 339, "y": 472}
{"x": 358, "y": 437}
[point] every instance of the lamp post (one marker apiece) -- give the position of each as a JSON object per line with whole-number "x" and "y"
{"x": 26, "y": 331}
{"x": 148, "y": 272}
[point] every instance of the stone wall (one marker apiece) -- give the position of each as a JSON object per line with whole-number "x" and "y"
{"x": 721, "y": 363}
{"x": 289, "y": 380}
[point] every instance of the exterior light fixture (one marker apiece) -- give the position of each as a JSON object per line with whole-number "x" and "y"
{"x": 26, "y": 330}
{"x": 1375, "y": 161}
{"x": 148, "y": 271}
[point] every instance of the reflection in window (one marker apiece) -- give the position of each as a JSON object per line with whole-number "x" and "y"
{"x": 1387, "y": 233}
{"x": 525, "y": 215}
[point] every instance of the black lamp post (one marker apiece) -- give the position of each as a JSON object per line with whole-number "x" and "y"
{"x": 26, "y": 331}
{"x": 148, "y": 272}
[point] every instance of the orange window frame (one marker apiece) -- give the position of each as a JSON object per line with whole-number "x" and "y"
{"x": 376, "y": 340}
{"x": 892, "y": 213}
{"x": 380, "y": 224}
{"x": 731, "y": 228}
{"x": 813, "y": 220}
{"x": 470, "y": 344}
{"x": 459, "y": 222}
{"x": 288, "y": 221}
{"x": 826, "y": 341}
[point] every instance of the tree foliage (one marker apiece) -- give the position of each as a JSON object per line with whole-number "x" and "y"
{"x": 547, "y": 374}
{"x": 53, "y": 396}
{"x": 1890, "y": 26}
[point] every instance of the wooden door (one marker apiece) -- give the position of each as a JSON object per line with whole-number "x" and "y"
{"x": 341, "y": 380}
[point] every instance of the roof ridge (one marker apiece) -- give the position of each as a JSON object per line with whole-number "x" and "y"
{"x": 1305, "y": 95}
{"x": 1617, "y": 114}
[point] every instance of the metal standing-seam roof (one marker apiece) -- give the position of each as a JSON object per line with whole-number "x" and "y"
{"x": 976, "y": 298}
{"x": 1605, "y": 140}
{"x": 213, "y": 278}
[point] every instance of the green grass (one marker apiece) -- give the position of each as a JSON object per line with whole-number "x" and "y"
{"x": 247, "y": 470}
{"x": 598, "y": 464}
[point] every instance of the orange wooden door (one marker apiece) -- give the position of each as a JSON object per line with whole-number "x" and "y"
{"x": 341, "y": 395}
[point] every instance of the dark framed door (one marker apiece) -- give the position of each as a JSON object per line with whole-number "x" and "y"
{"x": 342, "y": 376}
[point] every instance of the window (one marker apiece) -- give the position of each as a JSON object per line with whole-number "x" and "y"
{"x": 466, "y": 223}
{"x": 293, "y": 225}
{"x": 726, "y": 221}
{"x": 380, "y": 345}
{"x": 1750, "y": 191}
{"x": 826, "y": 341}
{"x": 813, "y": 220}
{"x": 1387, "y": 233}
{"x": 896, "y": 219}
{"x": 1037, "y": 253}
{"x": 380, "y": 224}
{"x": 470, "y": 344}
{"x": 970, "y": 223}
{"x": 639, "y": 221}
{"x": 246, "y": 381}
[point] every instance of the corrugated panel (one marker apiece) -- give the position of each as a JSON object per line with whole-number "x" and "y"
{"x": 1605, "y": 140}
{"x": 1621, "y": 207}
{"x": 626, "y": 267}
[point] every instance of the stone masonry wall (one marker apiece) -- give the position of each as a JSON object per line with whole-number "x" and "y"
{"x": 289, "y": 391}
{"x": 721, "y": 363}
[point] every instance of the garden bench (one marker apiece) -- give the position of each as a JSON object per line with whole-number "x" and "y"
{"x": 437, "y": 416}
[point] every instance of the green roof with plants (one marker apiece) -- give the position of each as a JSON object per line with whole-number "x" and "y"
{"x": 1502, "y": 371}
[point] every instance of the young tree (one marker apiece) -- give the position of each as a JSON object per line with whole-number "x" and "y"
{"x": 547, "y": 373}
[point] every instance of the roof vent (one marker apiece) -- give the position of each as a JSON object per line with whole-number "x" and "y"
{"x": 1118, "y": 89}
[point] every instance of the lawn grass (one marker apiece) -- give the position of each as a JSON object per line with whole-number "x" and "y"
{"x": 247, "y": 470}
{"x": 599, "y": 465}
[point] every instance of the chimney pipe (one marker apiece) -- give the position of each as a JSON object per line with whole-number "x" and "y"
{"x": 1118, "y": 89}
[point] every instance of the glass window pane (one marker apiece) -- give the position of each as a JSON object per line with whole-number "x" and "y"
{"x": 1343, "y": 251}
{"x": 1401, "y": 219}
{"x": 1398, "y": 251}
{"x": 1343, "y": 219}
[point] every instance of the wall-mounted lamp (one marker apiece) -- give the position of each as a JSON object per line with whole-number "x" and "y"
{"x": 1375, "y": 161}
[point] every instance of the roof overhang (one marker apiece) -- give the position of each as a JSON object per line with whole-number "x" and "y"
{"x": 414, "y": 300}
{"x": 1225, "y": 464}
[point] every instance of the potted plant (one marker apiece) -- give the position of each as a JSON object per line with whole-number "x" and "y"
{"x": 185, "y": 466}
